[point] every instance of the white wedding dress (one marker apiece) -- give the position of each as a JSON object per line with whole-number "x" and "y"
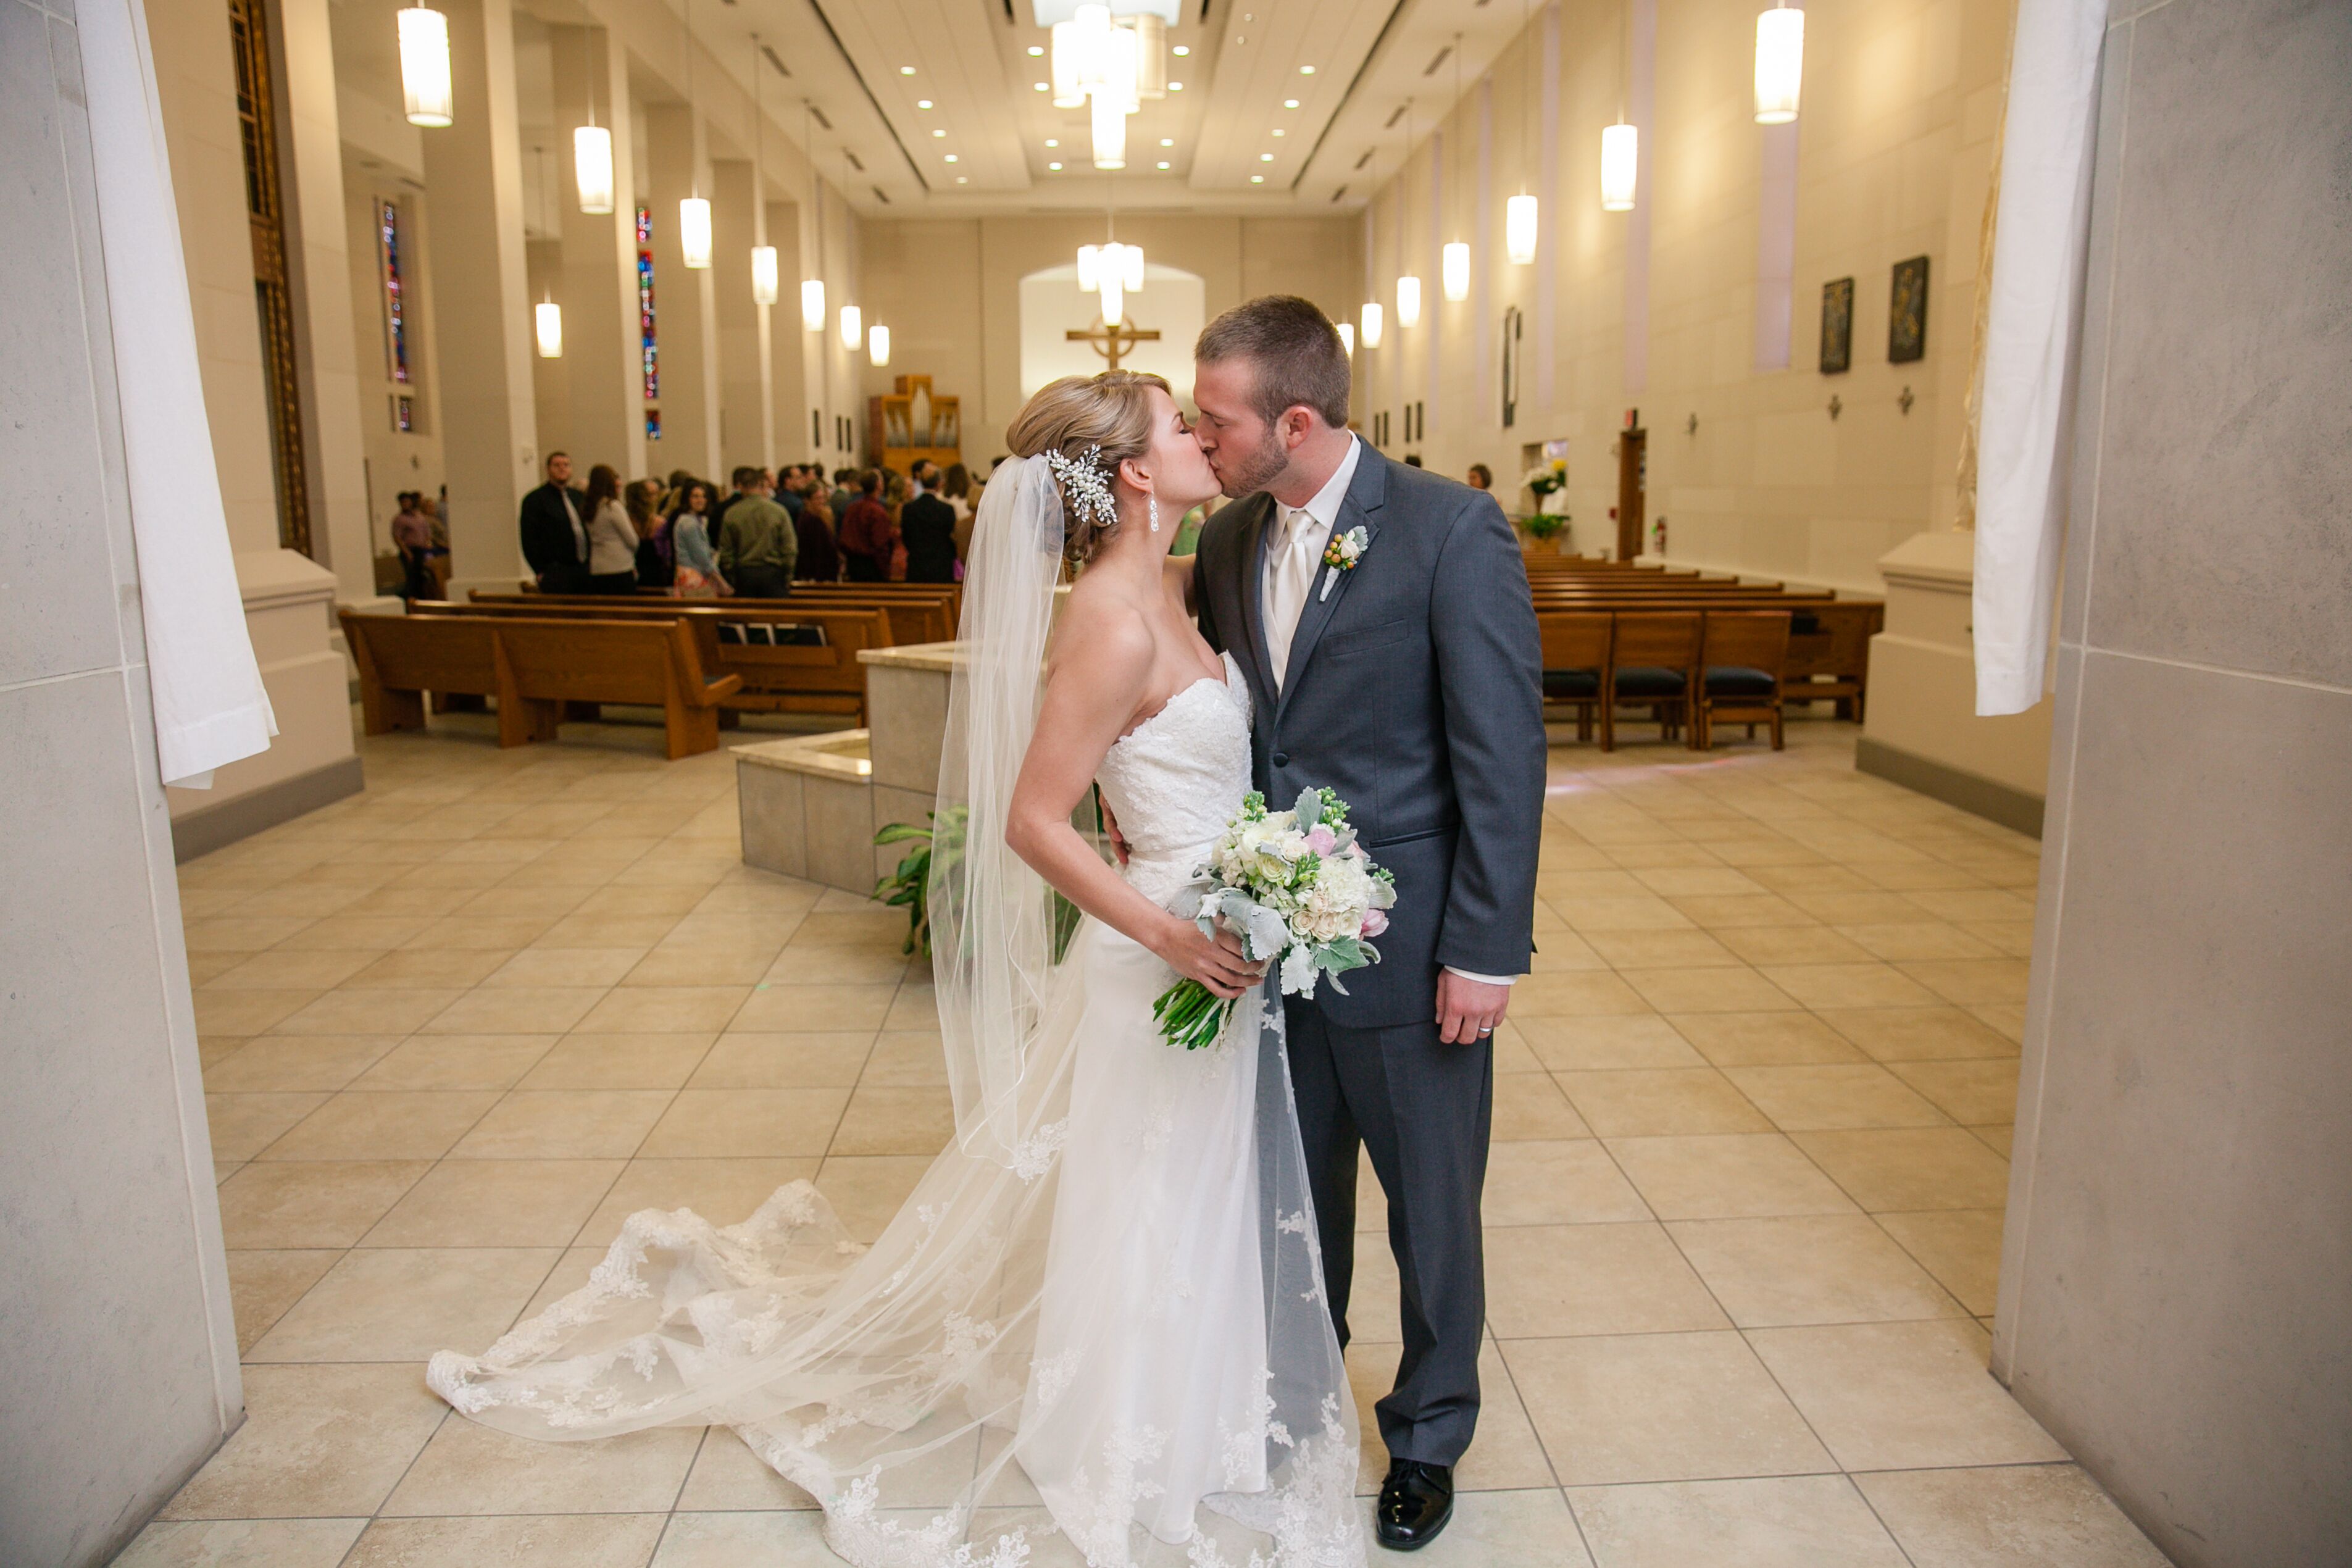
{"x": 1107, "y": 1343}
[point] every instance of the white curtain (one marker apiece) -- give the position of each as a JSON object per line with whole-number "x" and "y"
{"x": 2031, "y": 332}
{"x": 210, "y": 706}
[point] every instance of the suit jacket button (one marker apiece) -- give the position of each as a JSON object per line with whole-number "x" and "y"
{"x": 1282, "y": 758}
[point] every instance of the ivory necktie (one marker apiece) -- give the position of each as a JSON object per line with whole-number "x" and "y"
{"x": 1293, "y": 574}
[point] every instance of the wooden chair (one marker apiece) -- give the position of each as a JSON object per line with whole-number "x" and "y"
{"x": 1575, "y": 662}
{"x": 1744, "y": 654}
{"x": 1653, "y": 660}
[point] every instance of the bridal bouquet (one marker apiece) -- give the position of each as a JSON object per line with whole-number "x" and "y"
{"x": 1296, "y": 887}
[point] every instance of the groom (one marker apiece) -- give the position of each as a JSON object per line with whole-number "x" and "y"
{"x": 1409, "y": 682}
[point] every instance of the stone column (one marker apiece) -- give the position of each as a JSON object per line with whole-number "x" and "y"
{"x": 745, "y": 421}
{"x": 685, "y": 299}
{"x": 481, "y": 311}
{"x": 597, "y": 280}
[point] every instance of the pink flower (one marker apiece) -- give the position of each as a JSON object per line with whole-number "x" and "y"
{"x": 1375, "y": 921}
{"x": 1321, "y": 839}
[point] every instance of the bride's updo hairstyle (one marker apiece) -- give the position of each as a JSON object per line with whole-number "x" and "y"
{"x": 1111, "y": 411}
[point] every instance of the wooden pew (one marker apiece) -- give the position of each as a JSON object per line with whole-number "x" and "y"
{"x": 534, "y": 667}
{"x": 1829, "y": 639}
{"x": 925, "y": 612}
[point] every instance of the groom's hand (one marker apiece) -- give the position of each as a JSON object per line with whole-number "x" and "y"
{"x": 1118, "y": 846}
{"x": 1468, "y": 1009}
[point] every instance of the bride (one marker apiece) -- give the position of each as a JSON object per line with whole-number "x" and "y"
{"x": 1096, "y": 1330}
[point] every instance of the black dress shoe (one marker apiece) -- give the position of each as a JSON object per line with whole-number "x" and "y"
{"x": 1415, "y": 1502}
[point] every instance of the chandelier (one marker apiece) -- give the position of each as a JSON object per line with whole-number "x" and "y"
{"x": 1109, "y": 65}
{"x": 1114, "y": 271}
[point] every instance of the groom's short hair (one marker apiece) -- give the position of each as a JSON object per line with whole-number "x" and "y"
{"x": 1294, "y": 351}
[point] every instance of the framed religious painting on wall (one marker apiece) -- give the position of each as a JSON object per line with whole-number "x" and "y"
{"x": 1906, "y": 312}
{"x": 1837, "y": 326}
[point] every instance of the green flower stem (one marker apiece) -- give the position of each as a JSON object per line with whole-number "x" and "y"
{"x": 1191, "y": 1016}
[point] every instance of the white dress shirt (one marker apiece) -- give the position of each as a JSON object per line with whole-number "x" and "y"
{"x": 1292, "y": 553}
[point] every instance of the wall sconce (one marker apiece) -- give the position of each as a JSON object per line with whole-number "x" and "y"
{"x": 547, "y": 325}
{"x": 764, "y": 274}
{"x": 853, "y": 327}
{"x": 425, "y": 67}
{"x": 812, "y": 304}
{"x": 592, "y": 167}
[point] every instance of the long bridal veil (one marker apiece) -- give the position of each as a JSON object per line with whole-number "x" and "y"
{"x": 964, "y": 1392}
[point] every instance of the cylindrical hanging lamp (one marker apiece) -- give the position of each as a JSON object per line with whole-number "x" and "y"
{"x": 1779, "y": 63}
{"x": 1089, "y": 269}
{"x": 1150, "y": 54}
{"x": 547, "y": 325}
{"x": 878, "y": 344}
{"x": 1371, "y": 314}
{"x": 425, "y": 67}
{"x": 592, "y": 167}
{"x": 853, "y": 327}
{"x": 1347, "y": 337}
{"x": 1109, "y": 130}
{"x": 1454, "y": 274}
{"x": 812, "y": 304}
{"x": 764, "y": 274}
{"x": 1519, "y": 215}
{"x": 694, "y": 230}
{"x": 1408, "y": 301}
{"x": 1621, "y": 161}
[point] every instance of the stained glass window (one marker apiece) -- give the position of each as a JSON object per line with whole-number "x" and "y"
{"x": 653, "y": 424}
{"x": 404, "y": 412}
{"x": 395, "y": 302}
{"x": 645, "y": 309}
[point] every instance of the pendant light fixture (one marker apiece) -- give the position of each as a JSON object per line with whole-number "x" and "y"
{"x": 763, "y": 257}
{"x": 1348, "y": 338}
{"x": 592, "y": 148}
{"x": 1521, "y": 218}
{"x": 812, "y": 289}
{"x": 693, "y": 211}
{"x": 1453, "y": 269}
{"x": 1371, "y": 318}
{"x": 1779, "y": 63}
{"x": 1408, "y": 284}
{"x": 853, "y": 327}
{"x": 547, "y": 316}
{"x": 1621, "y": 144}
{"x": 877, "y": 345}
{"x": 425, "y": 82}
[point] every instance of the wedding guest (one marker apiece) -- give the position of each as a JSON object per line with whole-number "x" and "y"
{"x": 656, "y": 541}
{"x": 612, "y": 537}
{"x": 927, "y": 525}
{"x": 820, "y": 558}
{"x": 412, "y": 536}
{"x": 757, "y": 544}
{"x": 554, "y": 528}
{"x": 956, "y": 491}
{"x": 868, "y": 537}
{"x": 1482, "y": 478}
{"x": 695, "y": 573}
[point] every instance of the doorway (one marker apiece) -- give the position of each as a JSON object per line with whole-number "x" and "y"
{"x": 1632, "y": 488}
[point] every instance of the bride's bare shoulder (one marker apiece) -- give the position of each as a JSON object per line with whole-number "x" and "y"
{"x": 1102, "y": 633}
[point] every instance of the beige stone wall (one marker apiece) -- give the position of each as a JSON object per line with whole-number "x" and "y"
{"x": 950, "y": 289}
{"x": 1902, "y": 100}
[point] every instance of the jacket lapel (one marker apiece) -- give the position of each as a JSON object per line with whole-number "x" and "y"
{"x": 1251, "y": 550}
{"x": 1367, "y": 492}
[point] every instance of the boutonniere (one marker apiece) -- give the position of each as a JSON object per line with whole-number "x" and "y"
{"x": 1341, "y": 555}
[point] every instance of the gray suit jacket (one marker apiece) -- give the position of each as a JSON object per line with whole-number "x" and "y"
{"x": 1414, "y": 689}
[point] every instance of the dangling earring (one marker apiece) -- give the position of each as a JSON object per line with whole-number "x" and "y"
{"x": 1153, "y": 503}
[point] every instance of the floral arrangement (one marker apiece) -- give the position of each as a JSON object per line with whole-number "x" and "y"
{"x": 1341, "y": 555}
{"x": 1298, "y": 888}
{"x": 1545, "y": 477}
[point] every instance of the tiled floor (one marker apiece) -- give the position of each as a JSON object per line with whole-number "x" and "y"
{"x": 1744, "y": 1209}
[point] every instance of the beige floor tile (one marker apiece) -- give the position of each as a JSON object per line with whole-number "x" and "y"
{"x": 783, "y": 1009}
{"x": 428, "y": 968}
{"x": 205, "y": 966}
{"x": 2010, "y": 939}
{"x": 1698, "y": 882}
{"x": 1660, "y": 949}
{"x": 1919, "y": 1034}
{"x": 245, "y": 1012}
{"x": 1743, "y": 1175}
{"x": 515, "y": 1010}
{"x": 1725, "y": 990}
{"x": 496, "y": 1203}
{"x": 712, "y": 1124}
{"x": 1791, "y": 945}
{"x": 1973, "y": 982}
{"x": 242, "y": 1544}
{"x": 1571, "y": 884}
{"x": 596, "y": 967}
{"x": 401, "y": 903}
{"x": 1764, "y": 1040}
{"x": 728, "y": 1477}
{"x": 1633, "y": 1040}
{"x": 236, "y": 933}
{"x": 472, "y": 1470}
{"x": 881, "y": 965}
{"x": 565, "y": 1124}
{"x": 262, "y": 1284}
{"x": 403, "y": 1304}
{"x": 1645, "y": 912}
{"x": 722, "y": 1191}
{"x": 1961, "y": 1247}
{"x": 358, "y": 933}
{"x": 1911, "y": 1168}
{"x": 906, "y": 1058}
{"x": 867, "y": 1190}
{"x": 1815, "y": 1268}
{"x": 620, "y": 1061}
{"x": 456, "y": 1061}
{"x": 1574, "y": 993}
{"x": 1833, "y": 1095}
{"x": 1554, "y": 1281}
{"x": 245, "y": 1124}
{"x": 1530, "y": 1105}
{"x": 1972, "y": 1092}
{"x": 637, "y": 899}
{"x": 1887, "y": 1396}
{"x": 392, "y": 1124}
{"x": 856, "y": 923}
{"x": 523, "y": 900}
{"x": 1823, "y": 985}
{"x": 1927, "y": 939}
{"x": 291, "y": 970}
{"x": 500, "y": 933}
{"x": 2004, "y": 1018}
{"x": 731, "y": 1540}
{"x": 914, "y": 1009}
{"x": 784, "y": 1061}
{"x": 767, "y": 904}
{"x": 640, "y": 932}
{"x": 1780, "y": 1521}
{"x": 1719, "y": 912}
{"x": 1506, "y": 1455}
{"x": 1975, "y": 904}
{"x": 317, "y": 1442}
{"x": 283, "y": 1063}
{"x": 1655, "y": 1407}
{"x": 884, "y": 1119}
{"x": 1552, "y": 1182}
{"x": 303, "y": 898}
{"x": 1856, "y": 908}
{"x": 2017, "y": 1516}
{"x": 530, "y": 1540}
{"x": 1998, "y": 1139}
{"x": 285, "y": 1204}
{"x": 375, "y": 1011}
{"x": 1645, "y": 1102}
{"x": 674, "y": 963}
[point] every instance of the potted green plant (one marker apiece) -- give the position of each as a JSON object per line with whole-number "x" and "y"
{"x": 941, "y": 845}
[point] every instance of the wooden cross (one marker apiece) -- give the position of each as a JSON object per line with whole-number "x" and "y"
{"x": 1113, "y": 340}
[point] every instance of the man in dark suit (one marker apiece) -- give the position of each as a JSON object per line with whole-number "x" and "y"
{"x": 1409, "y": 681}
{"x": 555, "y": 530}
{"x": 927, "y": 527}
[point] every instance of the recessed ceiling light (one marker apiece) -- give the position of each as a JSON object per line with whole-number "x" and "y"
{"x": 906, "y": 70}
{"x": 1168, "y": 140}
{"x": 1289, "y": 103}
{"x": 964, "y": 179}
{"x": 951, "y": 157}
{"x": 922, "y": 103}
{"x": 939, "y": 132}
{"x": 1034, "y": 51}
{"x": 1050, "y": 141}
{"x": 1175, "y": 87}
{"x": 1257, "y": 179}
{"x": 1056, "y": 167}
{"x": 1306, "y": 71}
{"x": 1279, "y": 130}
{"x": 1042, "y": 86}
{"x": 1265, "y": 157}
{"x": 1180, "y": 50}
{"x": 1163, "y": 165}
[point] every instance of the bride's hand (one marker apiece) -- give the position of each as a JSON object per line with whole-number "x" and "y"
{"x": 1216, "y": 962}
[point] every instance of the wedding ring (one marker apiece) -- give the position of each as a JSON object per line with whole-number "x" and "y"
{"x": 1486, "y": 1031}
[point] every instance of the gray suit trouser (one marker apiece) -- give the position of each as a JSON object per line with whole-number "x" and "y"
{"x": 1423, "y": 1109}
